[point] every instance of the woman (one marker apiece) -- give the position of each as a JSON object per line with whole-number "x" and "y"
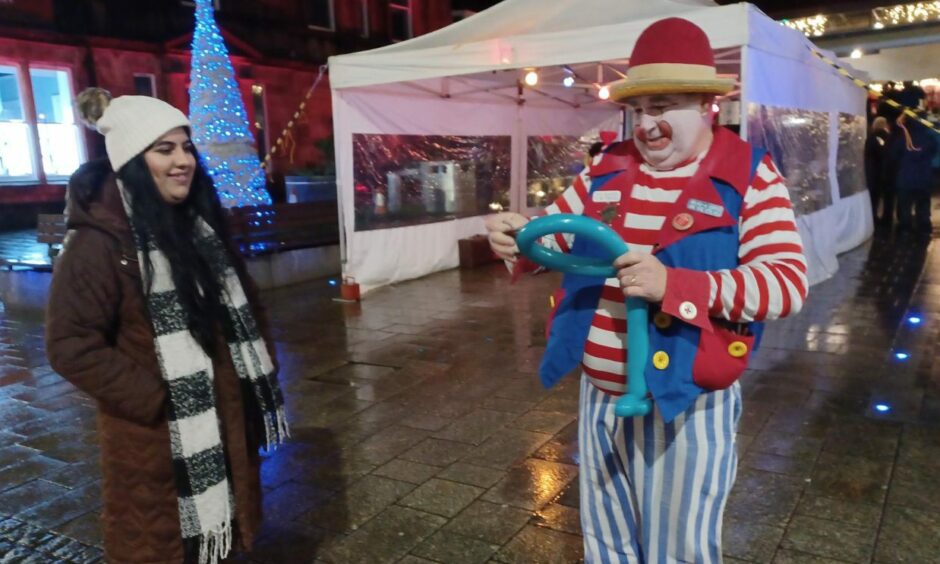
{"x": 151, "y": 313}
{"x": 876, "y": 148}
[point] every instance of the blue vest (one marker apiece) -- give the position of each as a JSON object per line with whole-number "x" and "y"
{"x": 672, "y": 388}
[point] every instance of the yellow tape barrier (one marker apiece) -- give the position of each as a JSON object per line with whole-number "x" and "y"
{"x": 862, "y": 84}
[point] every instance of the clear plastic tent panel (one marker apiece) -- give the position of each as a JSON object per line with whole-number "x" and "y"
{"x": 553, "y": 162}
{"x": 850, "y": 165}
{"x": 798, "y": 141}
{"x": 404, "y": 180}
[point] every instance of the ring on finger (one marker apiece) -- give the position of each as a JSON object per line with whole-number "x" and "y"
{"x": 632, "y": 281}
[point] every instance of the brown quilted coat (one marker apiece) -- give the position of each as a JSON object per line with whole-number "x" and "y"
{"x": 99, "y": 337}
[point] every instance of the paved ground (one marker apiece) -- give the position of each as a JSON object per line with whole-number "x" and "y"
{"x": 423, "y": 435}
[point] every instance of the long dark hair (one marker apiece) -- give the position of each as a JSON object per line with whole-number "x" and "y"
{"x": 172, "y": 229}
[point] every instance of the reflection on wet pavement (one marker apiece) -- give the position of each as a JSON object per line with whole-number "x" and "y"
{"x": 422, "y": 433}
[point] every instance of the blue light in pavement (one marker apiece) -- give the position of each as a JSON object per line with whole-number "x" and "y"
{"x": 333, "y": 282}
{"x": 914, "y": 320}
{"x": 882, "y": 407}
{"x": 901, "y": 355}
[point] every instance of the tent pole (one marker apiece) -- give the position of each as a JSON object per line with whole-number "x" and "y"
{"x": 744, "y": 75}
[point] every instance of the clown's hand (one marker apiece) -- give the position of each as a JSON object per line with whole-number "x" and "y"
{"x": 641, "y": 275}
{"x": 501, "y": 233}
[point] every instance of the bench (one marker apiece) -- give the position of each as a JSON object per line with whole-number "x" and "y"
{"x": 50, "y": 229}
{"x": 259, "y": 230}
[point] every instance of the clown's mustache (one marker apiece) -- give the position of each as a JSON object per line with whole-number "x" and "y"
{"x": 665, "y": 130}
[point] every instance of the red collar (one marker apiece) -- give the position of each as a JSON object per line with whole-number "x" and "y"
{"x": 722, "y": 162}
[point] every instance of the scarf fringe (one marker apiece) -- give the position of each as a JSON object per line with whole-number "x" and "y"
{"x": 215, "y": 545}
{"x": 276, "y": 429}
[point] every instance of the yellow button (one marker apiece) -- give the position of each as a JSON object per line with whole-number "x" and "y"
{"x": 737, "y": 349}
{"x": 661, "y": 360}
{"x": 662, "y": 320}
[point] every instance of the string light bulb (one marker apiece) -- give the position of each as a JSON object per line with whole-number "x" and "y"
{"x": 568, "y": 81}
{"x": 603, "y": 93}
{"x": 532, "y": 77}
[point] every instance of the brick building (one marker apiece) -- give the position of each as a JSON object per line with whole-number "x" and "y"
{"x": 51, "y": 49}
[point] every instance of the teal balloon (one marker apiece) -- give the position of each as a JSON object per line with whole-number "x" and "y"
{"x": 634, "y": 403}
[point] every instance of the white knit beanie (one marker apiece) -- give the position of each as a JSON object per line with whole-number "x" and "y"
{"x": 130, "y": 124}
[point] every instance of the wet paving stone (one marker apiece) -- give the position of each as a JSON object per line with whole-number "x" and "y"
{"x": 436, "y": 452}
{"x": 866, "y": 515}
{"x": 909, "y": 535}
{"x": 538, "y": 544}
{"x": 560, "y": 518}
{"x": 532, "y": 484}
{"x": 489, "y": 522}
{"x": 794, "y": 557}
{"x": 387, "y": 538}
{"x": 441, "y": 497}
{"x": 830, "y": 539}
{"x": 443, "y": 546}
{"x": 471, "y": 474}
{"x": 750, "y": 541}
{"x": 507, "y": 448}
{"x": 350, "y": 509}
{"x": 407, "y": 471}
{"x": 851, "y": 478}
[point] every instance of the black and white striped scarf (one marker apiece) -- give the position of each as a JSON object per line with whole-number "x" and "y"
{"x": 205, "y": 498}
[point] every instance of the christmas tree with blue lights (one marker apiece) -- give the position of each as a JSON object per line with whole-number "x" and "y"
{"x": 220, "y": 123}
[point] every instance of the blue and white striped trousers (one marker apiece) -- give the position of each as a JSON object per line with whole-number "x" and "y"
{"x": 655, "y": 492}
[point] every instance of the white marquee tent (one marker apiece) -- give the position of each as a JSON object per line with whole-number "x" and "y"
{"x": 462, "y": 80}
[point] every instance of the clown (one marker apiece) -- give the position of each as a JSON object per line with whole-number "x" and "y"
{"x": 715, "y": 252}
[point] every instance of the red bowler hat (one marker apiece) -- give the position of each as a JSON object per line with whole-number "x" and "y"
{"x": 671, "y": 56}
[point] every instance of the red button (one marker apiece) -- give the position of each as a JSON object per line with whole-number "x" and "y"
{"x": 683, "y": 221}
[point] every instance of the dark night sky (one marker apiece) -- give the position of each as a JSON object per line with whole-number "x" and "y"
{"x": 777, "y": 8}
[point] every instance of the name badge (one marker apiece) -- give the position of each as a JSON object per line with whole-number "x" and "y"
{"x": 606, "y": 196}
{"x": 706, "y": 208}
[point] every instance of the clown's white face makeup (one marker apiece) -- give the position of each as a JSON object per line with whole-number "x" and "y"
{"x": 671, "y": 129}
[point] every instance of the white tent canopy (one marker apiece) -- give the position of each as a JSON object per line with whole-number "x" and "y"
{"x": 462, "y": 81}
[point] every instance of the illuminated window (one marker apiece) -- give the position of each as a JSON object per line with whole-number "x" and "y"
{"x": 49, "y": 122}
{"x": 59, "y": 135}
{"x": 16, "y": 152}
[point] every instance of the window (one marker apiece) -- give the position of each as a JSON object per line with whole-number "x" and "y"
{"x": 59, "y": 135}
{"x": 321, "y": 14}
{"x": 364, "y": 21}
{"x": 49, "y": 120}
{"x": 399, "y": 20}
{"x": 145, "y": 85}
{"x": 16, "y": 156}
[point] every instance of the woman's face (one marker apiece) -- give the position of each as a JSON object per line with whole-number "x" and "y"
{"x": 172, "y": 164}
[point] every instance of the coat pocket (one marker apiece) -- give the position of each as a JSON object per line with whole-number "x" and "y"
{"x": 721, "y": 358}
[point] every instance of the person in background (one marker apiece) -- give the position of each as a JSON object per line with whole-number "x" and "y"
{"x": 152, "y": 313}
{"x": 875, "y": 168}
{"x": 912, "y": 153}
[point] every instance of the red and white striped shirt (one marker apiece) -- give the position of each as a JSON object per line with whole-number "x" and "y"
{"x": 770, "y": 281}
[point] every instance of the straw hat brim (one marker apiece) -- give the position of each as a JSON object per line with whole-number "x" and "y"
{"x": 631, "y": 88}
